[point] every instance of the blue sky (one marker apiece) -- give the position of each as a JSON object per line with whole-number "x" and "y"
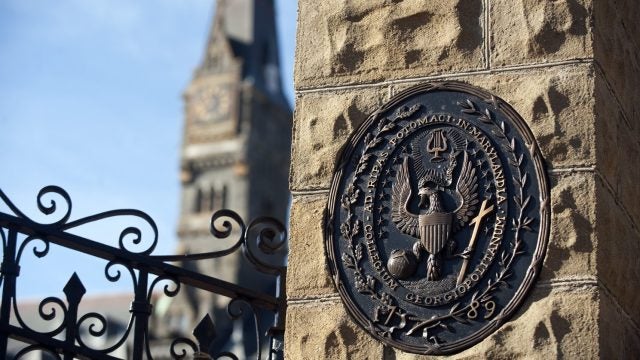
{"x": 90, "y": 100}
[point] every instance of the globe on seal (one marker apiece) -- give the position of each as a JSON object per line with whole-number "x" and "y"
{"x": 402, "y": 263}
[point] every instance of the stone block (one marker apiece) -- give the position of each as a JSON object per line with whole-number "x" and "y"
{"x": 347, "y": 42}
{"x": 323, "y": 122}
{"x": 323, "y": 330}
{"x": 307, "y": 271}
{"x": 538, "y": 31}
{"x": 619, "y": 336}
{"x": 627, "y": 180}
{"x": 572, "y": 241}
{"x": 552, "y": 324}
{"x": 618, "y": 251}
{"x": 617, "y": 146}
{"x": 557, "y": 105}
{"x": 609, "y": 125}
{"x": 617, "y": 51}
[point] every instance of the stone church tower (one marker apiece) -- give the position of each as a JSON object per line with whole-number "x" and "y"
{"x": 235, "y": 152}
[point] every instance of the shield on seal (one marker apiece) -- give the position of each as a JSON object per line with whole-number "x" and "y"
{"x": 435, "y": 229}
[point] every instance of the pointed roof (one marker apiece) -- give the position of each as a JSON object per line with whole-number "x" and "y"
{"x": 244, "y": 31}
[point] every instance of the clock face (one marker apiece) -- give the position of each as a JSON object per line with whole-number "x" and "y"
{"x": 211, "y": 104}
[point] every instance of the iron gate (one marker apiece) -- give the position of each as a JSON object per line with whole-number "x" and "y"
{"x": 148, "y": 272}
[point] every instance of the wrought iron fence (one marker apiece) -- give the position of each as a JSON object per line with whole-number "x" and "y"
{"x": 147, "y": 271}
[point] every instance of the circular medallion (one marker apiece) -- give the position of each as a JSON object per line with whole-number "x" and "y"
{"x": 438, "y": 218}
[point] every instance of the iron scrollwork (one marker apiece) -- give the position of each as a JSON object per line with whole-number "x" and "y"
{"x": 134, "y": 257}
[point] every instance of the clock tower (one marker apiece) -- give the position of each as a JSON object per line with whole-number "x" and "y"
{"x": 235, "y": 153}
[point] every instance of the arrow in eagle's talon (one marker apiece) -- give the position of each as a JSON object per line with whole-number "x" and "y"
{"x": 484, "y": 211}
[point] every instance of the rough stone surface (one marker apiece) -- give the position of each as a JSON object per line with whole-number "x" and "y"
{"x": 538, "y": 31}
{"x": 548, "y": 326}
{"x": 617, "y": 50}
{"x": 609, "y": 124}
{"x": 618, "y": 146}
{"x": 627, "y": 185}
{"x": 572, "y": 242}
{"x": 583, "y": 114}
{"x": 360, "y": 41}
{"x": 618, "y": 252}
{"x": 307, "y": 271}
{"x": 323, "y": 123}
{"x": 619, "y": 336}
{"x": 557, "y": 105}
{"x": 323, "y": 330}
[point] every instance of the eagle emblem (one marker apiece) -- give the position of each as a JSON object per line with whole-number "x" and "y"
{"x": 433, "y": 225}
{"x": 438, "y": 218}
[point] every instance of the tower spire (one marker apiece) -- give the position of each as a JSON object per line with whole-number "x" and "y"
{"x": 218, "y": 19}
{"x": 245, "y": 31}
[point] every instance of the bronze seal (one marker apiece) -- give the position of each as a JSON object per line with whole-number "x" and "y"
{"x": 438, "y": 218}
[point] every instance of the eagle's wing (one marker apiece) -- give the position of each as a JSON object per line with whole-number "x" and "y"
{"x": 406, "y": 221}
{"x": 466, "y": 193}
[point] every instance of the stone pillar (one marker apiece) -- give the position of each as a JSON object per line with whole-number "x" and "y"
{"x": 570, "y": 68}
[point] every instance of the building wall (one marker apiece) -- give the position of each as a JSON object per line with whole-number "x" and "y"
{"x": 570, "y": 68}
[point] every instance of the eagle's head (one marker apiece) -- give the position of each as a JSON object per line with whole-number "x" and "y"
{"x": 436, "y": 179}
{"x": 427, "y": 188}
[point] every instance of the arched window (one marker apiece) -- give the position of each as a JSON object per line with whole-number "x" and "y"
{"x": 211, "y": 199}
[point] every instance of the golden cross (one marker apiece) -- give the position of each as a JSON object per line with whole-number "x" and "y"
{"x": 484, "y": 211}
